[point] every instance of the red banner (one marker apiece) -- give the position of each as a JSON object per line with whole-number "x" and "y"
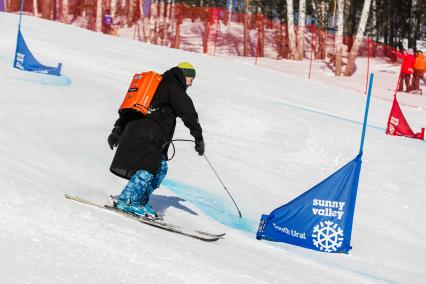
{"x": 398, "y": 125}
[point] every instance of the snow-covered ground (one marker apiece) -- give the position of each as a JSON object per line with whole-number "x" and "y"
{"x": 270, "y": 135}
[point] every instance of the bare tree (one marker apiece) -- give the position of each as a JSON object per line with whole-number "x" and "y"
{"x": 290, "y": 27}
{"x": 301, "y": 30}
{"x": 358, "y": 38}
{"x": 339, "y": 37}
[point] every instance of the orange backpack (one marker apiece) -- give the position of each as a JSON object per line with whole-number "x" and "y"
{"x": 141, "y": 91}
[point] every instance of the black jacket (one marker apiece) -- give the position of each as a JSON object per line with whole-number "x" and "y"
{"x": 142, "y": 137}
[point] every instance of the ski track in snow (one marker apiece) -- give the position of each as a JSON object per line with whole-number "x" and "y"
{"x": 212, "y": 206}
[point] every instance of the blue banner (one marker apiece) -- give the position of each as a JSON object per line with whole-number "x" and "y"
{"x": 2, "y": 5}
{"x": 319, "y": 219}
{"x": 25, "y": 60}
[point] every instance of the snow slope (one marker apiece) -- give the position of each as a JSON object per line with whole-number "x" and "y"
{"x": 270, "y": 136}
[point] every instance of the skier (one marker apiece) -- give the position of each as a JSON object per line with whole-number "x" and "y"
{"x": 143, "y": 140}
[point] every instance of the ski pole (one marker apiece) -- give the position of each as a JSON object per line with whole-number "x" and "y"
{"x": 186, "y": 140}
{"x": 239, "y": 212}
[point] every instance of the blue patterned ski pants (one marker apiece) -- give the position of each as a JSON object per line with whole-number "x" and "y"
{"x": 141, "y": 185}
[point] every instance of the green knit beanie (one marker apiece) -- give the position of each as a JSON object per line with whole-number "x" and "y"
{"x": 187, "y": 69}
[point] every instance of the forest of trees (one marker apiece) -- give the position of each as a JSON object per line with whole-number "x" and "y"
{"x": 388, "y": 22}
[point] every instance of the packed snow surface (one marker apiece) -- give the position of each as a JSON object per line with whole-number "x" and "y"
{"x": 270, "y": 136}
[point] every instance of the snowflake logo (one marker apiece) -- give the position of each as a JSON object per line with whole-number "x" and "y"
{"x": 327, "y": 236}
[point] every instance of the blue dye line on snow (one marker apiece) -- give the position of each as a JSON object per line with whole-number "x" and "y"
{"x": 211, "y": 205}
{"x": 223, "y": 212}
{"x": 332, "y": 116}
{"x": 328, "y": 114}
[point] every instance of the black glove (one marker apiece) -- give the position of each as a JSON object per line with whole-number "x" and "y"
{"x": 199, "y": 147}
{"x": 114, "y": 137}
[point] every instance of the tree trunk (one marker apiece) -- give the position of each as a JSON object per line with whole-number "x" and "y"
{"x": 246, "y": 32}
{"x": 373, "y": 20}
{"x": 114, "y": 8}
{"x": 161, "y": 21}
{"x": 142, "y": 19}
{"x": 99, "y": 15}
{"x": 290, "y": 26}
{"x": 130, "y": 13}
{"x": 283, "y": 41}
{"x": 262, "y": 36}
{"x": 35, "y": 8}
{"x": 178, "y": 13}
{"x": 339, "y": 37}
{"x": 206, "y": 36}
{"x": 321, "y": 9}
{"x": 412, "y": 26}
{"x": 64, "y": 11}
{"x": 153, "y": 22}
{"x": 229, "y": 12}
{"x": 46, "y": 9}
{"x": 301, "y": 30}
{"x": 359, "y": 36}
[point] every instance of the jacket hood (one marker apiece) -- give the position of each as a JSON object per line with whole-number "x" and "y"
{"x": 177, "y": 74}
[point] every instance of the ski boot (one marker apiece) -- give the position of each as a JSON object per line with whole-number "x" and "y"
{"x": 150, "y": 213}
{"x": 130, "y": 207}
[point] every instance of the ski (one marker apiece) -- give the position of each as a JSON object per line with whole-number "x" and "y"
{"x": 161, "y": 224}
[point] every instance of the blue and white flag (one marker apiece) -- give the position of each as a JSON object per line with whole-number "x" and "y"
{"x": 319, "y": 219}
{"x": 25, "y": 60}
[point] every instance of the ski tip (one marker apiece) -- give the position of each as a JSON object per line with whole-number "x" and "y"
{"x": 211, "y": 234}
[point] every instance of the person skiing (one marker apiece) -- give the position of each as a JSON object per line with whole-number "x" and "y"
{"x": 143, "y": 140}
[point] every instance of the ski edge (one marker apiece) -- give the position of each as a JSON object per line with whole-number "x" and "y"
{"x": 200, "y": 235}
{"x": 164, "y": 226}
